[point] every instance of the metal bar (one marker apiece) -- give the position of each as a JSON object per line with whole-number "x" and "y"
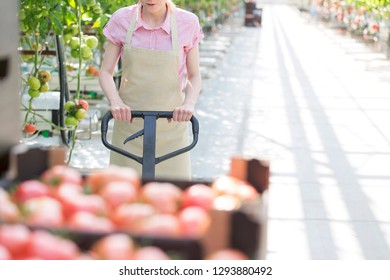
{"x": 149, "y": 146}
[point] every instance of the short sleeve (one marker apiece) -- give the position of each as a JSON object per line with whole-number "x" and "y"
{"x": 116, "y": 28}
{"x": 110, "y": 31}
{"x": 197, "y": 34}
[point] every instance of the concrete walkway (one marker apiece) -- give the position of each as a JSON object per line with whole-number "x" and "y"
{"x": 316, "y": 104}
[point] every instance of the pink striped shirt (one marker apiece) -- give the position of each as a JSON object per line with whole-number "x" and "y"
{"x": 158, "y": 38}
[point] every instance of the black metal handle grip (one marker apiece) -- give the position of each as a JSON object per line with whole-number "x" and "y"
{"x": 141, "y": 114}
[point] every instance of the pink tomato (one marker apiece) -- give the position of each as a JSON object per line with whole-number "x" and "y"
{"x": 98, "y": 179}
{"x": 199, "y": 195}
{"x": 129, "y": 216}
{"x": 165, "y": 197}
{"x": 88, "y": 222}
{"x": 15, "y": 238}
{"x": 43, "y": 211}
{"x": 60, "y": 174}
{"x": 195, "y": 221}
{"x": 165, "y": 225}
{"x": 92, "y": 203}
{"x": 46, "y": 246}
{"x": 30, "y": 189}
{"x": 116, "y": 193}
{"x": 117, "y": 246}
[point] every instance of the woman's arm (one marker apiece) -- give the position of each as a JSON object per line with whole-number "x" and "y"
{"x": 192, "y": 88}
{"x": 119, "y": 110}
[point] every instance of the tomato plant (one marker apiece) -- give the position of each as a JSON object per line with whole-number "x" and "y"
{"x": 79, "y": 23}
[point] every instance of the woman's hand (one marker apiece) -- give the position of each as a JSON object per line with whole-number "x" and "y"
{"x": 183, "y": 113}
{"x": 120, "y": 111}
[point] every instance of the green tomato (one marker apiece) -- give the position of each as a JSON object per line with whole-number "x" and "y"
{"x": 80, "y": 114}
{"x": 71, "y": 121}
{"x": 91, "y": 3}
{"x": 68, "y": 37}
{"x": 44, "y": 87}
{"x": 91, "y": 42}
{"x": 87, "y": 58}
{"x": 34, "y": 83}
{"x": 74, "y": 43}
{"x": 75, "y": 29}
{"x": 27, "y": 57}
{"x": 33, "y": 93}
{"x": 70, "y": 107}
{"x": 75, "y": 53}
{"x": 86, "y": 51}
{"x": 97, "y": 8}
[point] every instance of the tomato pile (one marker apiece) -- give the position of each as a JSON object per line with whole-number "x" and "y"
{"x": 112, "y": 202}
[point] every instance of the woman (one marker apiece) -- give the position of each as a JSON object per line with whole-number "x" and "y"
{"x": 158, "y": 44}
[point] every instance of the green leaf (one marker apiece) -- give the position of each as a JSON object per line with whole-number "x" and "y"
{"x": 57, "y": 26}
{"x": 72, "y": 3}
{"x": 43, "y": 28}
{"x": 97, "y": 23}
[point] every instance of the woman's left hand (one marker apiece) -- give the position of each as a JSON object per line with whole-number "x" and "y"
{"x": 183, "y": 113}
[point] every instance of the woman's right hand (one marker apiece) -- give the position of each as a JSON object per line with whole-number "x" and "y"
{"x": 120, "y": 111}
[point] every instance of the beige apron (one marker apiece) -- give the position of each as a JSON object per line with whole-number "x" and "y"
{"x": 150, "y": 81}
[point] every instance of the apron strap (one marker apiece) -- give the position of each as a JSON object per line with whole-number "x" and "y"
{"x": 174, "y": 32}
{"x": 130, "y": 30}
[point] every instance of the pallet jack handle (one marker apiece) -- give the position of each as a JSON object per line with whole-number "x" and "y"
{"x": 148, "y": 160}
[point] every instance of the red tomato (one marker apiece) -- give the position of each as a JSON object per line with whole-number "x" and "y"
{"x": 83, "y": 104}
{"x": 46, "y": 246}
{"x": 112, "y": 173}
{"x": 195, "y": 221}
{"x": 30, "y": 128}
{"x": 227, "y": 254}
{"x": 4, "y": 253}
{"x": 88, "y": 222}
{"x": 165, "y": 197}
{"x": 116, "y": 246}
{"x": 44, "y": 212}
{"x": 150, "y": 253}
{"x": 165, "y": 225}
{"x": 60, "y": 174}
{"x": 199, "y": 195}
{"x": 129, "y": 216}
{"x": 15, "y": 238}
{"x": 116, "y": 193}
{"x": 30, "y": 189}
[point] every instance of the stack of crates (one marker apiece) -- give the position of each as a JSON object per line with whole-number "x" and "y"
{"x": 253, "y": 14}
